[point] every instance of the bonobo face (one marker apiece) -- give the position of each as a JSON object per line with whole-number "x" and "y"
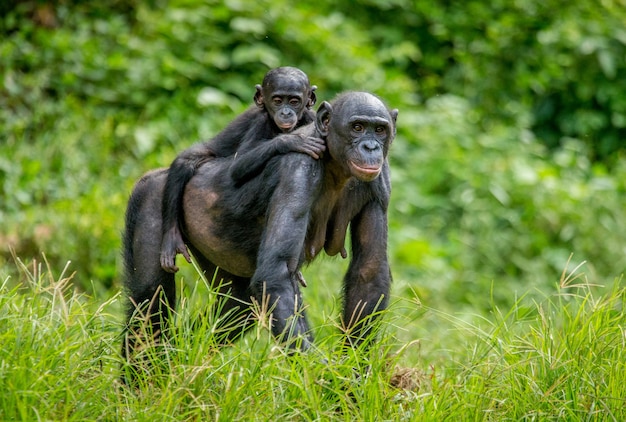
{"x": 286, "y": 103}
{"x": 360, "y": 130}
{"x": 286, "y": 93}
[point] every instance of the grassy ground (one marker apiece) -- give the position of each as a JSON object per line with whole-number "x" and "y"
{"x": 563, "y": 358}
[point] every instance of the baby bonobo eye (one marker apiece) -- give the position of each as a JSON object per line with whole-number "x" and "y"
{"x": 277, "y": 101}
{"x": 294, "y": 102}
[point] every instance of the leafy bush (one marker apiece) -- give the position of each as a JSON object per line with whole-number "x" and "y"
{"x": 564, "y": 61}
{"x": 495, "y": 207}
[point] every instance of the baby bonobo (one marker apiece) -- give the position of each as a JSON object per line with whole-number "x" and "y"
{"x": 282, "y": 103}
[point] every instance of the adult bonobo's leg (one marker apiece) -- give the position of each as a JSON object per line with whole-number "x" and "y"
{"x": 151, "y": 291}
{"x": 280, "y": 254}
{"x": 232, "y": 308}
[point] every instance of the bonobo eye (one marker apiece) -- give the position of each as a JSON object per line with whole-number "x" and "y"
{"x": 294, "y": 102}
{"x": 380, "y": 130}
{"x": 277, "y": 101}
{"x": 357, "y": 127}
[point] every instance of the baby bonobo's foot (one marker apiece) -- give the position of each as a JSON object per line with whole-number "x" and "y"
{"x": 172, "y": 245}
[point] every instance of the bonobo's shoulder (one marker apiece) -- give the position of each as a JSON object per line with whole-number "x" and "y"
{"x": 299, "y": 158}
{"x": 306, "y": 130}
{"x": 293, "y": 162}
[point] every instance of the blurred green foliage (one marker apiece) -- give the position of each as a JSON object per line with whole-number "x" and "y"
{"x": 563, "y": 63}
{"x": 509, "y": 154}
{"x": 475, "y": 207}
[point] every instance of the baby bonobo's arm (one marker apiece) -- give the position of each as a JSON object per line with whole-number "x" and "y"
{"x": 252, "y": 158}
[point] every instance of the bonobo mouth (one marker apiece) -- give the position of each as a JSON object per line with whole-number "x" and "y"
{"x": 366, "y": 173}
{"x": 286, "y": 127}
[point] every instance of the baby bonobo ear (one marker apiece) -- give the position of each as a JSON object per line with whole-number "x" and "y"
{"x": 258, "y": 97}
{"x": 312, "y": 97}
{"x": 322, "y": 118}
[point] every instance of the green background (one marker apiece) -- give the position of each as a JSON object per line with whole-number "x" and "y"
{"x": 508, "y": 158}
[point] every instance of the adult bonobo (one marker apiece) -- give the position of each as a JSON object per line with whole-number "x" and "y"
{"x": 263, "y": 231}
{"x": 282, "y": 104}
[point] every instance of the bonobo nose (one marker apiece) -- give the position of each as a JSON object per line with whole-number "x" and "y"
{"x": 370, "y": 145}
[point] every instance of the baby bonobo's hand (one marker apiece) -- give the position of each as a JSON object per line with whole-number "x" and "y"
{"x": 298, "y": 143}
{"x": 171, "y": 245}
{"x": 315, "y": 147}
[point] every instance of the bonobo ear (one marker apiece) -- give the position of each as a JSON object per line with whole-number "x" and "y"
{"x": 394, "y": 114}
{"x": 258, "y": 97}
{"x": 312, "y": 97}
{"x": 322, "y": 118}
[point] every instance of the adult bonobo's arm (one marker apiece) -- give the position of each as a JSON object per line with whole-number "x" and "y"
{"x": 280, "y": 253}
{"x": 368, "y": 279}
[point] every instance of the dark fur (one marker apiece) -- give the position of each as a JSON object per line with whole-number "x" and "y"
{"x": 250, "y": 131}
{"x": 261, "y": 233}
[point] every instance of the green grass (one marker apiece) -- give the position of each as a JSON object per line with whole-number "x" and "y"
{"x": 563, "y": 358}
